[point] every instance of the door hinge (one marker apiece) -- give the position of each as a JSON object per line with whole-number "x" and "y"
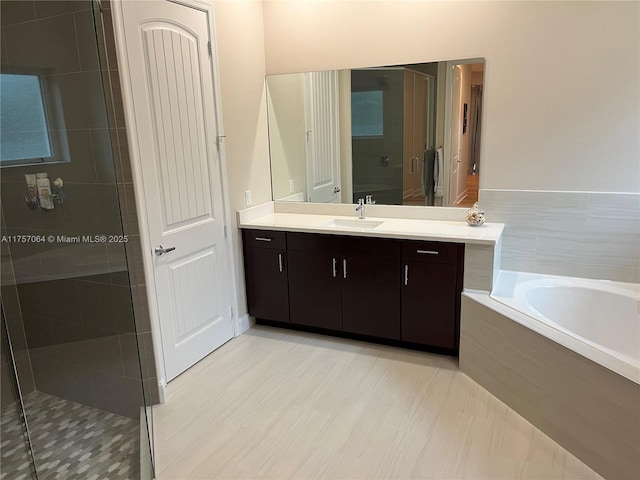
{"x": 209, "y": 48}
{"x": 231, "y": 311}
{"x": 225, "y": 231}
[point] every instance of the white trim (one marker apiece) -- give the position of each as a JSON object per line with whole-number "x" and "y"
{"x": 215, "y": 67}
{"x": 447, "y": 124}
{"x": 245, "y": 323}
{"x": 462, "y": 196}
{"x": 162, "y": 392}
{"x": 448, "y": 160}
{"x": 138, "y": 182}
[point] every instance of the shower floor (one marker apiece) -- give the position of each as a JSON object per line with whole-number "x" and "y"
{"x": 14, "y": 459}
{"x": 73, "y": 441}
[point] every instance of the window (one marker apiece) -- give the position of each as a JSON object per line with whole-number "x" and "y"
{"x": 367, "y": 114}
{"x": 26, "y": 134}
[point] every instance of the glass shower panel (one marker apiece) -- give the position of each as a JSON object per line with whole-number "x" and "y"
{"x": 15, "y": 457}
{"x": 62, "y": 221}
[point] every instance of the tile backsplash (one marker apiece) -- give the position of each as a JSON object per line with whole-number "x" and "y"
{"x": 579, "y": 234}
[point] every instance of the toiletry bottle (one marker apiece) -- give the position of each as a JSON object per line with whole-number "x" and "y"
{"x": 44, "y": 191}
{"x": 31, "y": 186}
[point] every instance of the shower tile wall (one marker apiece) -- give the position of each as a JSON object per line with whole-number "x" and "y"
{"x": 368, "y": 168}
{"x": 580, "y": 234}
{"x": 74, "y": 298}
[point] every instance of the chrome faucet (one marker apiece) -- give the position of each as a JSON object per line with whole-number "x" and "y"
{"x": 370, "y": 200}
{"x": 360, "y": 208}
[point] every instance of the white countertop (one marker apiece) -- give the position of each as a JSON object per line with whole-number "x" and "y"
{"x": 413, "y": 229}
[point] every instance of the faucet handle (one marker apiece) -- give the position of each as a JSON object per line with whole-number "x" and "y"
{"x": 360, "y": 201}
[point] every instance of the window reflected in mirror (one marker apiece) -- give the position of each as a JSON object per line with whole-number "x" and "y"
{"x": 367, "y": 113}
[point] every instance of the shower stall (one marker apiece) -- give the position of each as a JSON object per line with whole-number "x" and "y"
{"x": 76, "y": 365}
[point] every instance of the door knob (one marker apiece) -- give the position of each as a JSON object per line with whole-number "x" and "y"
{"x": 336, "y": 190}
{"x": 159, "y": 250}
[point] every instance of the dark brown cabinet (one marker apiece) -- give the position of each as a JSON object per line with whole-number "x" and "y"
{"x": 347, "y": 284}
{"x": 370, "y": 287}
{"x": 431, "y": 290}
{"x": 315, "y": 293}
{"x": 266, "y": 274}
{"x": 398, "y": 290}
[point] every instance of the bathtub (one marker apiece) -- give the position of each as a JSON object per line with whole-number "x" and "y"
{"x": 539, "y": 343}
{"x": 598, "y": 319}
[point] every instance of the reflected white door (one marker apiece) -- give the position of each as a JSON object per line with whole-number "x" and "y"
{"x": 458, "y": 179}
{"x": 172, "y": 82}
{"x": 322, "y": 127}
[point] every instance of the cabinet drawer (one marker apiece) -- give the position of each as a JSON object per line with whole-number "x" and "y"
{"x": 314, "y": 242}
{"x": 430, "y": 252}
{"x": 380, "y": 247}
{"x": 264, "y": 239}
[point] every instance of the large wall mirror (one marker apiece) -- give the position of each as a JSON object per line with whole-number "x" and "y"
{"x": 404, "y": 134}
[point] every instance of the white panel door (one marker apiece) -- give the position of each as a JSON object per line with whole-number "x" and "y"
{"x": 322, "y": 126}
{"x": 173, "y": 95}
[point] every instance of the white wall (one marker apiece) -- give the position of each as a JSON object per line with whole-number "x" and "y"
{"x": 561, "y": 80}
{"x": 285, "y": 100}
{"x": 240, "y": 46}
{"x": 346, "y": 154}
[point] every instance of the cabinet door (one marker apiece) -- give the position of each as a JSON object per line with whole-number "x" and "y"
{"x": 314, "y": 287}
{"x": 429, "y": 304}
{"x": 266, "y": 274}
{"x": 267, "y": 286}
{"x": 371, "y": 288}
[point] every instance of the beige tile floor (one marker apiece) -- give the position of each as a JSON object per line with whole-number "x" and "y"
{"x": 277, "y": 404}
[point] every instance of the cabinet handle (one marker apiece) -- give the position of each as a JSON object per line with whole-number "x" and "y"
{"x": 263, "y": 239}
{"x": 333, "y": 266}
{"x": 344, "y": 268}
{"x": 280, "y": 261}
{"x": 413, "y": 167}
{"x": 406, "y": 275}
{"x": 428, "y": 252}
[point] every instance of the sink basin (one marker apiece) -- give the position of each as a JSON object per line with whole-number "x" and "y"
{"x": 355, "y": 223}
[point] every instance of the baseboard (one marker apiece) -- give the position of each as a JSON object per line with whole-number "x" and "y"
{"x": 462, "y": 196}
{"x": 161, "y": 392}
{"x": 245, "y": 322}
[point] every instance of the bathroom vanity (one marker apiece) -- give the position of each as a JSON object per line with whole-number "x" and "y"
{"x": 387, "y": 279}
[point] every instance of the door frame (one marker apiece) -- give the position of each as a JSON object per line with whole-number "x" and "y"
{"x": 448, "y": 153}
{"x": 138, "y": 184}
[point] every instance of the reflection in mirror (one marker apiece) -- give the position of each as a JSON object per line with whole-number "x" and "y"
{"x": 405, "y": 134}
